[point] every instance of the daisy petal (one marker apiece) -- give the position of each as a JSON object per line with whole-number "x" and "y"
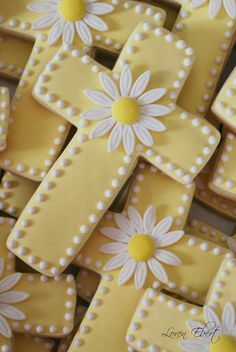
{"x": 140, "y": 275}
{"x": 197, "y": 3}
{"x": 167, "y": 257}
{"x": 102, "y": 128}
{"x": 214, "y": 8}
{"x": 158, "y": 270}
{"x": 98, "y": 97}
{"x": 96, "y": 114}
{"x": 95, "y": 22}
{"x": 1, "y": 266}
{"x": 149, "y": 219}
{"x": 193, "y": 324}
{"x": 115, "y": 138}
{"x": 124, "y": 224}
{"x": 109, "y": 86}
{"x": 128, "y": 139}
{"x": 13, "y": 297}
{"x": 126, "y": 80}
{"x": 116, "y": 262}
{"x": 99, "y": 8}
{"x": 169, "y": 238}
{"x": 68, "y": 33}
{"x": 5, "y": 328}
{"x": 210, "y": 316}
{"x": 163, "y": 226}
{"x": 140, "y": 84}
{"x": 195, "y": 345}
{"x": 10, "y": 281}
{"x": 127, "y": 271}
{"x": 155, "y": 110}
{"x": 11, "y": 312}
{"x": 151, "y": 96}
{"x": 228, "y": 317}
{"x": 84, "y": 32}
{"x": 115, "y": 234}
{"x": 56, "y": 32}
{"x": 135, "y": 219}
{"x": 45, "y": 22}
{"x": 90, "y": 1}
{"x": 230, "y": 8}
{"x": 152, "y": 124}
{"x": 113, "y": 248}
{"x": 231, "y": 244}
{"x": 41, "y": 7}
{"x": 143, "y": 134}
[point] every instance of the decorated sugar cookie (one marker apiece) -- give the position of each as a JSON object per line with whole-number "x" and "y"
{"x": 209, "y": 27}
{"x": 224, "y": 106}
{"x": 205, "y": 195}
{"x": 29, "y": 301}
{"x": 152, "y": 130}
{"x": 187, "y": 327}
{"x": 12, "y": 65}
{"x": 28, "y": 343}
{"x": 15, "y": 192}
{"x": 207, "y": 232}
{"x": 4, "y": 116}
{"x": 32, "y": 151}
{"x": 223, "y": 180}
{"x": 127, "y": 274}
{"x": 87, "y": 283}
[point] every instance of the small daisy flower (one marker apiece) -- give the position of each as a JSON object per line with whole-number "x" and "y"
{"x": 66, "y": 17}
{"x": 215, "y": 6}
{"x": 7, "y": 298}
{"x": 221, "y": 336}
{"x": 138, "y": 246}
{"x": 127, "y": 111}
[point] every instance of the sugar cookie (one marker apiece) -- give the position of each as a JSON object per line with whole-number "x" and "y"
{"x": 4, "y": 116}
{"x": 211, "y": 35}
{"x": 32, "y": 151}
{"x": 87, "y": 283}
{"x": 223, "y": 179}
{"x": 224, "y": 105}
{"x": 25, "y": 343}
{"x": 160, "y": 148}
{"x": 15, "y": 192}
{"x": 36, "y": 298}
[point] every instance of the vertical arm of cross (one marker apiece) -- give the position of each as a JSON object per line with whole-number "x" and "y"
{"x": 4, "y": 116}
{"x": 212, "y": 40}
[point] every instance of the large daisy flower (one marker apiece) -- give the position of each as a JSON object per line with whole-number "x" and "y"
{"x": 214, "y": 335}
{"x": 215, "y": 6}
{"x": 66, "y": 17}
{"x": 138, "y": 246}
{"x": 7, "y": 298}
{"x": 126, "y": 111}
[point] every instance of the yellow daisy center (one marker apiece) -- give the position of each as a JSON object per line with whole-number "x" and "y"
{"x": 141, "y": 247}
{"x": 224, "y": 344}
{"x": 72, "y": 10}
{"x": 126, "y": 110}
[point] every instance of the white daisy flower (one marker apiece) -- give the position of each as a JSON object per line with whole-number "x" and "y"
{"x": 214, "y": 335}
{"x": 66, "y": 17}
{"x": 127, "y": 111}
{"x": 7, "y": 298}
{"x": 138, "y": 246}
{"x": 215, "y": 6}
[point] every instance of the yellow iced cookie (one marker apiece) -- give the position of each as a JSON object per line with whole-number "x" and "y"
{"x": 32, "y": 151}
{"x": 205, "y": 195}
{"x": 26, "y": 343}
{"x": 15, "y": 192}
{"x": 29, "y": 302}
{"x": 87, "y": 283}
{"x": 223, "y": 179}
{"x": 208, "y": 233}
{"x": 224, "y": 106}
{"x": 151, "y": 130}
{"x": 12, "y": 65}
{"x": 209, "y": 27}
{"x": 66, "y": 341}
{"x": 4, "y": 116}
